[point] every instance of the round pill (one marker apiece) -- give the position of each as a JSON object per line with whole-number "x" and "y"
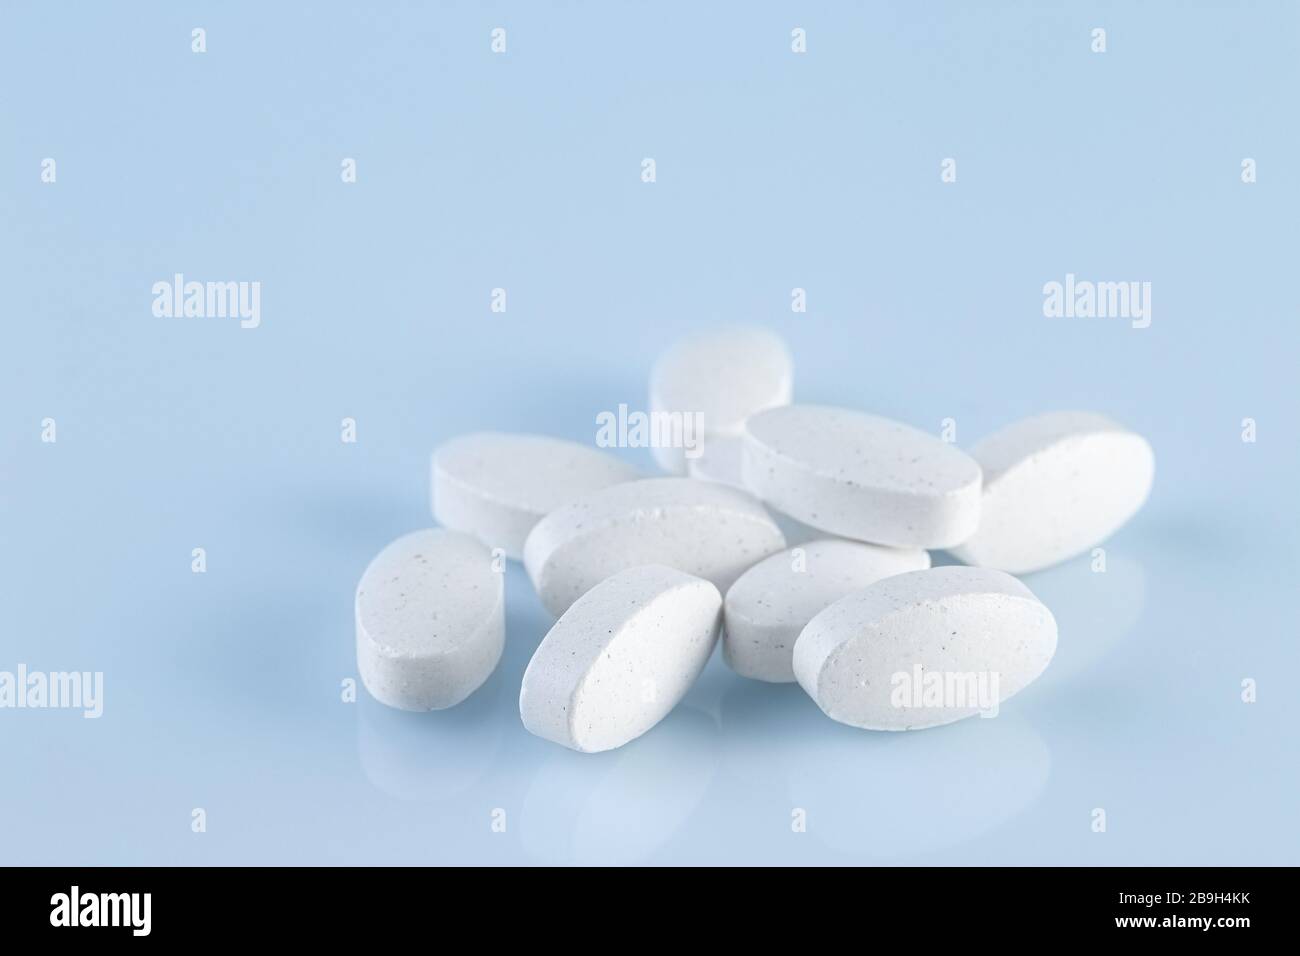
{"x": 1055, "y": 485}
{"x": 772, "y": 602}
{"x": 496, "y": 485}
{"x": 719, "y": 378}
{"x": 860, "y": 476}
{"x": 621, "y": 658}
{"x": 699, "y": 527}
{"x": 925, "y": 648}
{"x": 430, "y": 616}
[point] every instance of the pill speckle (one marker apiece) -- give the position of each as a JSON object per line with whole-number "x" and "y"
{"x": 861, "y": 476}
{"x": 430, "y": 622}
{"x": 621, "y": 658}
{"x": 699, "y": 527}
{"x": 772, "y": 602}
{"x": 872, "y": 658}
{"x": 497, "y": 485}
{"x": 1055, "y": 485}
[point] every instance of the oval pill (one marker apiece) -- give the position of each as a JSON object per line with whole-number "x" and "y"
{"x": 430, "y": 616}
{"x": 1055, "y": 485}
{"x": 621, "y": 658}
{"x": 699, "y": 527}
{"x": 497, "y": 485}
{"x": 925, "y": 648}
{"x": 772, "y": 602}
{"x": 723, "y": 376}
{"x": 861, "y": 476}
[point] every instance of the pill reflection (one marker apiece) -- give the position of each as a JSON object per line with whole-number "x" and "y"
{"x": 879, "y": 794}
{"x": 620, "y": 806}
{"x": 430, "y": 756}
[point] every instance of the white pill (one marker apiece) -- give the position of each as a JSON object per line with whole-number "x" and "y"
{"x": 621, "y": 658}
{"x": 430, "y": 615}
{"x": 719, "y": 461}
{"x": 496, "y": 486}
{"x": 925, "y": 648}
{"x": 772, "y": 602}
{"x": 699, "y": 527}
{"x": 1055, "y": 485}
{"x": 722, "y": 376}
{"x": 861, "y": 476}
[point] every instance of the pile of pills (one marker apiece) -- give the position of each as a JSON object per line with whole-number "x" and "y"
{"x": 646, "y": 574}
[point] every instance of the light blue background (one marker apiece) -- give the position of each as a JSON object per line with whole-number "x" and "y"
{"x": 522, "y": 171}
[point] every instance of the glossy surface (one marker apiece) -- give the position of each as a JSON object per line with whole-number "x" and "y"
{"x": 223, "y": 689}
